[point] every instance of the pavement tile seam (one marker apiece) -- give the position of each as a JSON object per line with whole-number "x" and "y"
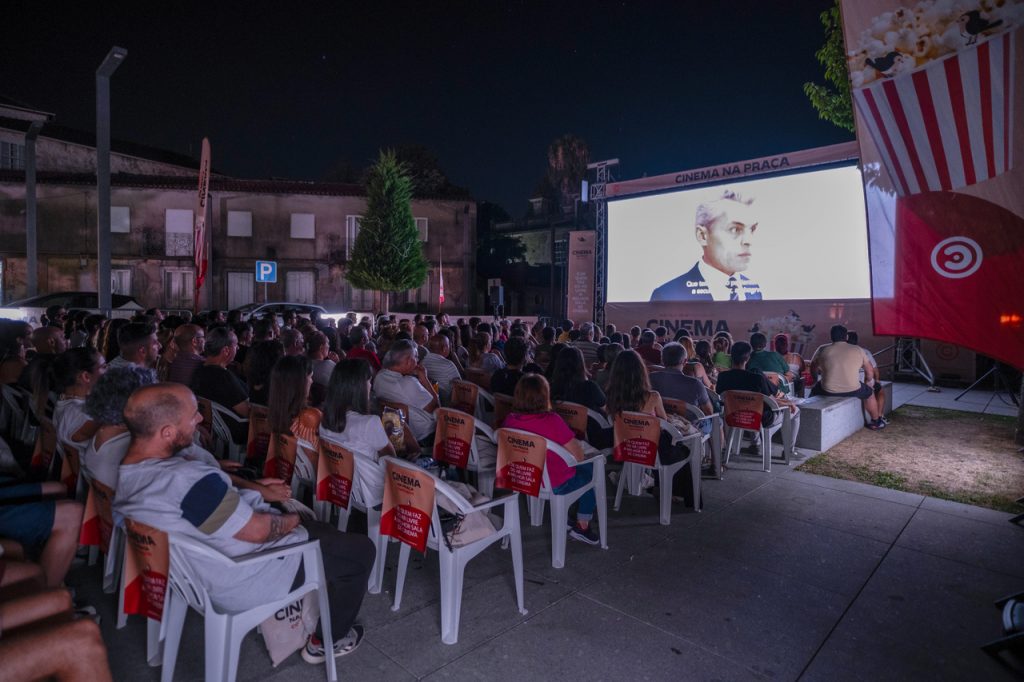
{"x": 530, "y": 616}
{"x": 810, "y": 482}
{"x": 856, "y": 597}
{"x": 385, "y": 655}
{"x": 671, "y": 634}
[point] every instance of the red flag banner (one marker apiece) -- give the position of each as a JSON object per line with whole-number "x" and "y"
{"x": 199, "y": 234}
{"x": 440, "y": 281}
{"x": 636, "y": 438}
{"x": 147, "y": 564}
{"x": 408, "y": 505}
{"x": 937, "y": 93}
{"x": 521, "y": 459}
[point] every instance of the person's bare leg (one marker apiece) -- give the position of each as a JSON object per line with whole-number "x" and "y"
{"x": 871, "y": 406}
{"x": 69, "y": 652}
{"x": 12, "y": 550}
{"x": 21, "y": 577}
{"x": 53, "y": 490}
{"x": 34, "y": 608}
{"x": 60, "y": 548}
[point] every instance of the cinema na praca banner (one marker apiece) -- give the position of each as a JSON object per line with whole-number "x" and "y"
{"x": 938, "y": 101}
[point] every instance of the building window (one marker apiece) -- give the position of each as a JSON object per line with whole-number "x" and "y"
{"x": 121, "y": 281}
{"x": 303, "y": 226}
{"x": 421, "y": 227}
{"x": 179, "y": 288}
{"x": 12, "y": 155}
{"x": 120, "y": 219}
{"x": 240, "y": 223}
{"x": 351, "y": 231}
{"x": 178, "y": 228}
{"x": 240, "y": 289}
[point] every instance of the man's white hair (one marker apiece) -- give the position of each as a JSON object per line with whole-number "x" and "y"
{"x": 713, "y": 208}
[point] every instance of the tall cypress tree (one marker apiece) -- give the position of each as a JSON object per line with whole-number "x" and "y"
{"x": 388, "y": 254}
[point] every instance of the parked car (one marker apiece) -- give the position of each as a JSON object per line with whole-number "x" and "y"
{"x": 31, "y": 310}
{"x": 255, "y": 311}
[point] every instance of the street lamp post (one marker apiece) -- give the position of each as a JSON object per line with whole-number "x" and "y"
{"x": 103, "y": 74}
{"x": 31, "y": 240}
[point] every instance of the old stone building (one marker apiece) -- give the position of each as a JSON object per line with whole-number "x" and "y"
{"x": 308, "y": 228}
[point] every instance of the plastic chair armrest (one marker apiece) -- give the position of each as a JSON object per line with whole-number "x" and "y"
{"x": 275, "y": 553}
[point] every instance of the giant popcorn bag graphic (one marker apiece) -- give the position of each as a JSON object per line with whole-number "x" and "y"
{"x": 934, "y": 84}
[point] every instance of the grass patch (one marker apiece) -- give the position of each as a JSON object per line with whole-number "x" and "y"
{"x": 959, "y": 456}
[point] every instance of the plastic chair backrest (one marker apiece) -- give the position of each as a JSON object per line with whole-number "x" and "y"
{"x": 522, "y": 461}
{"x": 407, "y": 511}
{"x": 147, "y": 570}
{"x": 335, "y": 473}
{"x": 98, "y": 521}
{"x": 502, "y": 407}
{"x": 743, "y": 409}
{"x": 46, "y": 446}
{"x": 259, "y": 434}
{"x": 206, "y": 410}
{"x": 464, "y": 396}
{"x": 454, "y": 436}
{"x": 636, "y": 437}
{"x": 674, "y": 406}
{"x": 480, "y": 377}
{"x": 575, "y": 415}
{"x": 282, "y": 449}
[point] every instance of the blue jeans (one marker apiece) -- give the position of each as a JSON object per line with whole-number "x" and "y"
{"x": 588, "y": 501}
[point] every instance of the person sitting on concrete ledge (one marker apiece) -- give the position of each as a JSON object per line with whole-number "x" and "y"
{"x": 839, "y": 364}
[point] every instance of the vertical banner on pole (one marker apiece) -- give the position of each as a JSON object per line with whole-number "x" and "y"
{"x": 937, "y": 97}
{"x": 580, "y": 287}
{"x": 199, "y": 233}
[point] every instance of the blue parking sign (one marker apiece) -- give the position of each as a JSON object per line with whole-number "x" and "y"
{"x": 266, "y": 271}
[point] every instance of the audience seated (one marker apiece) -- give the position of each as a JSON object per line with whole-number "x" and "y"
{"x": 442, "y": 365}
{"x": 542, "y": 353}
{"x": 199, "y": 501}
{"x": 319, "y": 353}
{"x": 517, "y": 353}
{"x": 765, "y": 360}
{"x": 671, "y": 382}
{"x": 33, "y": 515}
{"x": 190, "y": 340}
{"x": 293, "y": 341}
{"x": 403, "y": 380}
{"x": 48, "y": 343}
{"x": 648, "y": 353}
{"x": 105, "y": 408}
{"x": 288, "y": 411}
{"x": 532, "y": 411}
{"x": 73, "y": 375}
{"x": 606, "y": 357}
{"x": 793, "y": 360}
{"x": 359, "y": 338}
{"x": 586, "y": 344}
{"x": 15, "y": 339}
{"x": 840, "y": 364}
{"x": 262, "y": 357}
{"x": 480, "y": 355}
{"x": 722, "y": 345}
{"x": 137, "y": 344}
{"x": 874, "y": 380}
{"x": 214, "y": 382}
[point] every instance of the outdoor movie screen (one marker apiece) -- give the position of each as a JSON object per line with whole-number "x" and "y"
{"x": 800, "y": 236}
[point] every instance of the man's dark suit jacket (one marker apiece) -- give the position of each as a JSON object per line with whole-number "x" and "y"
{"x": 678, "y": 289}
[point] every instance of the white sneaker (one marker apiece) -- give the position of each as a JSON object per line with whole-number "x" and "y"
{"x": 313, "y": 652}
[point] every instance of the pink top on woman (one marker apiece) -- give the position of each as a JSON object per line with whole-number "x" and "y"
{"x": 552, "y": 427}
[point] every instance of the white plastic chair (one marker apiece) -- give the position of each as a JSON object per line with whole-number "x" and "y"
{"x": 560, "y": 502}
{"x": 222, "y": 432}
{"x": 485, "y": 473}
{"x": 453, "y": 560}
{"x": 304, "y": 475}
{"x": 225, "y": 631}
{"x": 666, "y": 472}
{"x": 372, "y": 510}
{"x": 696, "y": 416}
{"x": 735, "y": 433}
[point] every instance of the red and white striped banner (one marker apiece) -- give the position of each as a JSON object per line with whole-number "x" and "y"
{"x": 949, "y": 123}
{"x": 199, "y": 233}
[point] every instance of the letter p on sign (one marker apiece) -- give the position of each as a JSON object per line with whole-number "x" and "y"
{"x": 266, "y": 271}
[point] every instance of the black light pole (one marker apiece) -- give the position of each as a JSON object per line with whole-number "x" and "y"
{"x": 103, "y": 74}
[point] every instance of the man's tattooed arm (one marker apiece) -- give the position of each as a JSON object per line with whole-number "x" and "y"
{"x": 267, "y": 527}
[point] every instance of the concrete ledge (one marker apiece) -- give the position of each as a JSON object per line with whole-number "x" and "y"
{"x": 826, "y": 421}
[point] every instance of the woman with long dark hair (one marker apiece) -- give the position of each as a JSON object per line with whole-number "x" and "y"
{"x": 480, "y": 355}
{"x": 287, "y": 408}
{"x": 260, "y": 360}
{"x": 73, "y": 374}
{"x": 349, "y": 422}
{"x": 569, "y": 381}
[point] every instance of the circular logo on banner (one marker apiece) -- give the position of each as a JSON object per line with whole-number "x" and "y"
{"x": 947, "y": 352}
{"x": 956, "y": 257}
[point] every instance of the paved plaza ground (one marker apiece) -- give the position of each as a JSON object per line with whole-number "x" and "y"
{"x": 783, "y": 576}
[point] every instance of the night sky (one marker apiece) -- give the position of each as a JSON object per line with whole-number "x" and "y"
{"x": 291, "y": 89}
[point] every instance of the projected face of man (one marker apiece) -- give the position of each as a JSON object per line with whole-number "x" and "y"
{"x": 726, "y": 240}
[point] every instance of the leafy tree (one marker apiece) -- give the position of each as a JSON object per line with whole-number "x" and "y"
{"x": 388, "y": 255}
{"x": 496, "y": 251}
{"x": 568, "y": 157}
{"x": 833, "y": 103}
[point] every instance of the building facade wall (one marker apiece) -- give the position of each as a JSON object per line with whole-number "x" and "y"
{"x": 69, "y": 157}
{"x": 66, "y": 229}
